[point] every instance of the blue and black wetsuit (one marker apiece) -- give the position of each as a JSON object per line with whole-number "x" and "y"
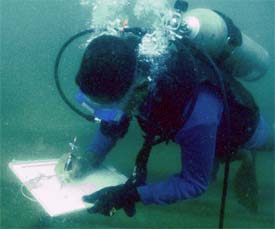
{"x": 200, "y": 135}
{"x": 197, "y": 140}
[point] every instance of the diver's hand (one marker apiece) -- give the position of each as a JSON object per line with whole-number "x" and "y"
{"x": 80, "y": 166}
{"x": 108, "y": 200}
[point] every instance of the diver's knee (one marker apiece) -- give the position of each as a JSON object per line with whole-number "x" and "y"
{"x": 259, "y": 139}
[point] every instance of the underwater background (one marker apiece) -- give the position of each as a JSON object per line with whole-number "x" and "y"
{"x": 36, "y": 124}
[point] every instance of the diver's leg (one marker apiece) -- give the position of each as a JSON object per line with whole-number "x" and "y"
{"x": 245, "y": 181}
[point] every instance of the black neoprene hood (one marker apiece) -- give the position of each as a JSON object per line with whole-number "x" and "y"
{"x": 107, "y": 69}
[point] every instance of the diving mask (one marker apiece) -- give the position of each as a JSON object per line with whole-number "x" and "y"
{"x": 101, "y": 112}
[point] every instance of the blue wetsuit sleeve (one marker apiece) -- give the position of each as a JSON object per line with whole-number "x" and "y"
{"x": 197, "y": 140}
{"x": 106, "y": 137}
{"x": 101, "y": 144}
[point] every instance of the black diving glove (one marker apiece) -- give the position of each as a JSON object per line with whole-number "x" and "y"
{"x": 108, "y": 200}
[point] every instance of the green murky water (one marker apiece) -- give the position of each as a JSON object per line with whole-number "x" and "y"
{"x": 35, "y": 124}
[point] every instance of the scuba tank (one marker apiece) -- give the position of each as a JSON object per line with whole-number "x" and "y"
{"x": 210, "y": 30}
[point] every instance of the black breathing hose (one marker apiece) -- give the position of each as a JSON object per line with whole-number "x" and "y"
{"x": 56, "y": 74}
{"x": 135, "y": 30}
{"x": 228, "y": 134}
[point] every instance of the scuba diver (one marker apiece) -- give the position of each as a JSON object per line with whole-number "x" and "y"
{"x": 191, "y": 98}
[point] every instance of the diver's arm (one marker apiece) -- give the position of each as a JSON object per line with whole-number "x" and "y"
{"x": 99, "y": 147}
{"x": 197, "y": 140}
{"x": 105, "y": 139}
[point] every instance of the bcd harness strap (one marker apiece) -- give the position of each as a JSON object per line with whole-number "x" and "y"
{"x": 140, "y": 170}
{"x": 139, "y": 175}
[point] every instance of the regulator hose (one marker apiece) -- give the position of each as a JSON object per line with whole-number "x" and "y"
{"x": 135, "y": 30}
{"x": 88, "y": 117}
{"x": 228, "y": 144}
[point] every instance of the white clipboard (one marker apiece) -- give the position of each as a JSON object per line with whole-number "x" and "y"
{"x": 40, "y": 179}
